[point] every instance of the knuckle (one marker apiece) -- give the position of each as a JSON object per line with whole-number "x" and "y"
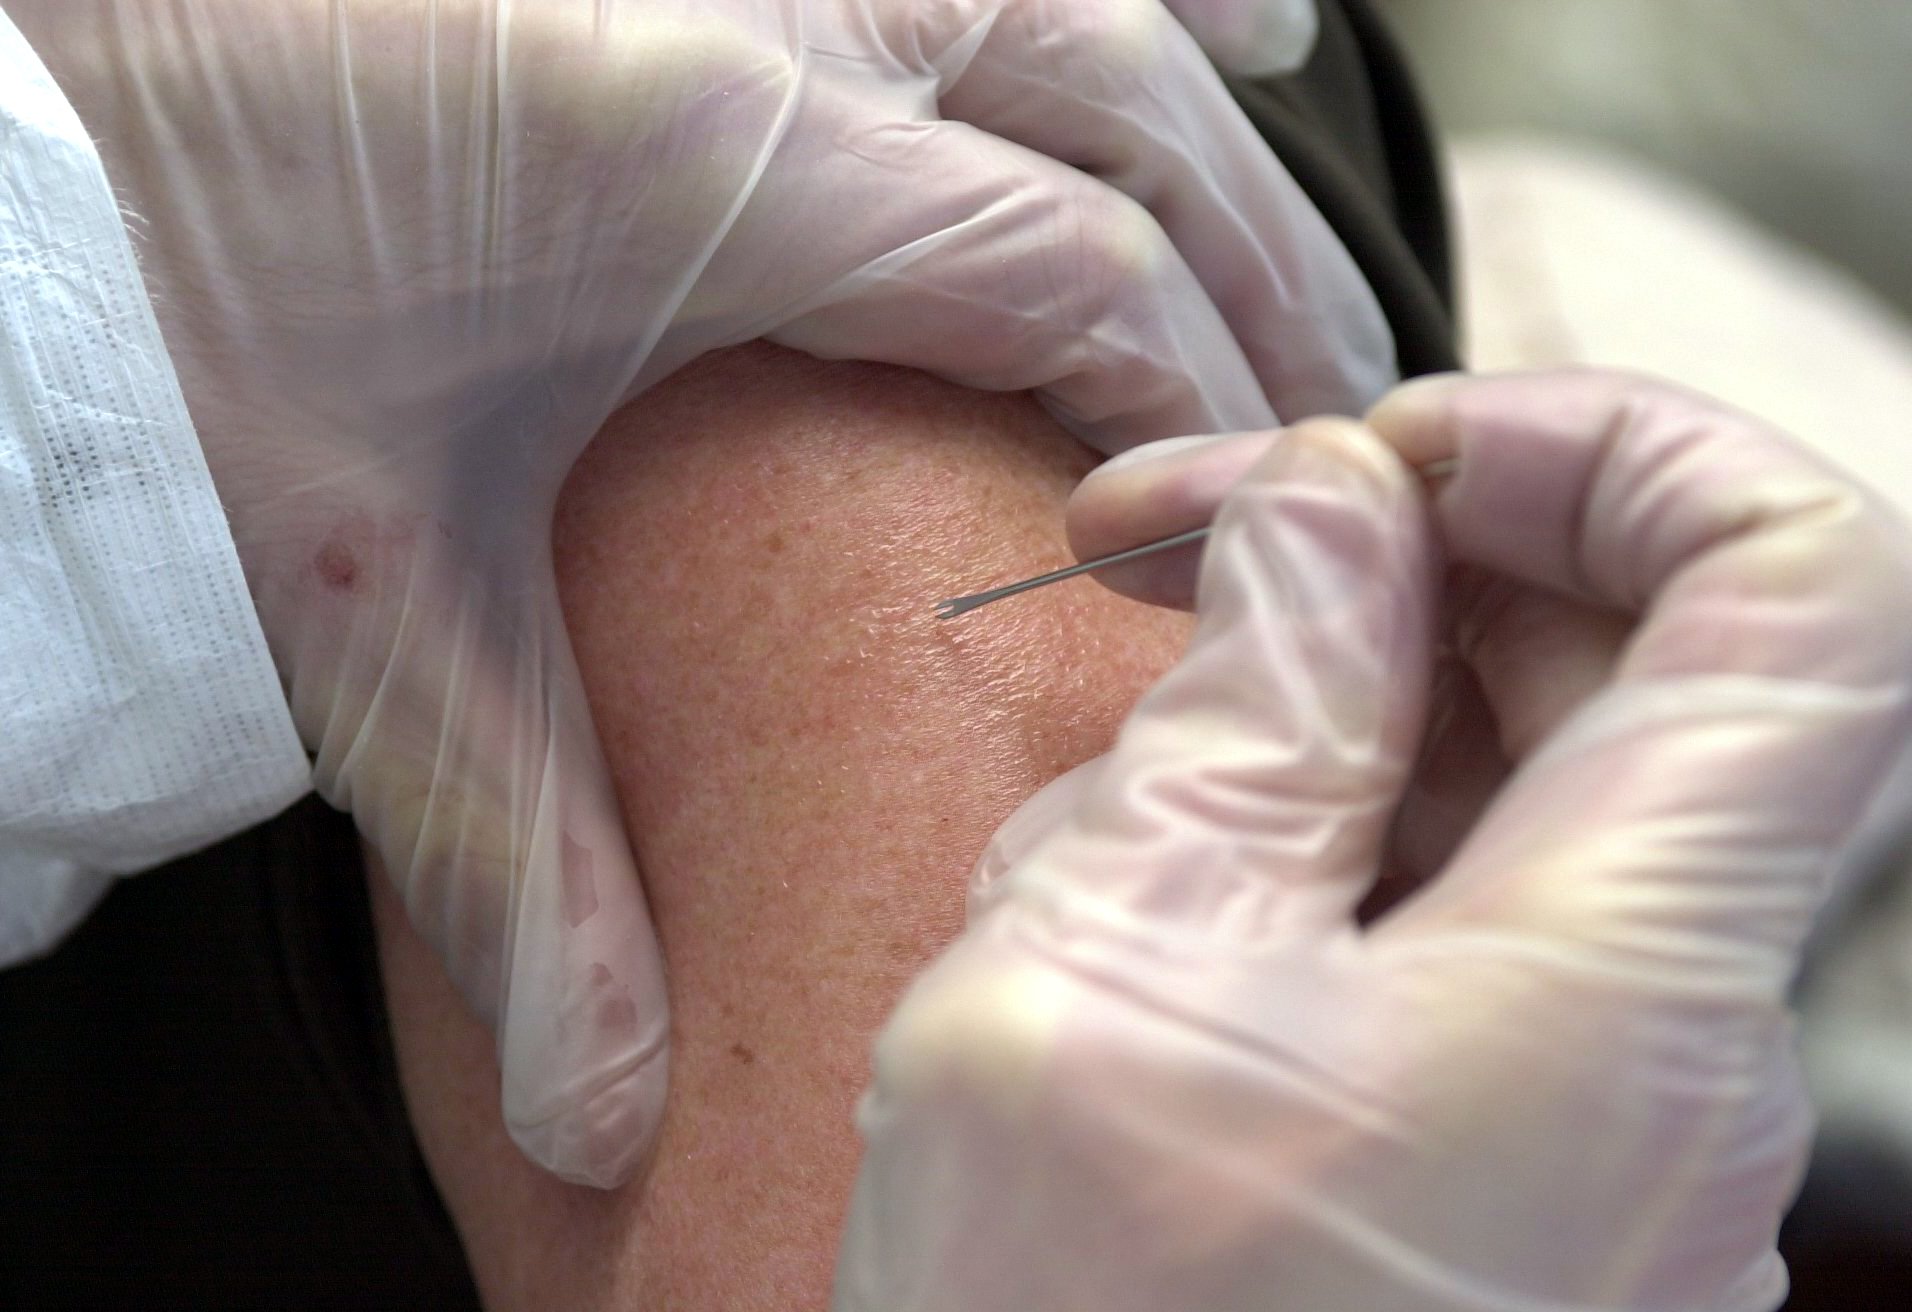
{"x": 1091, "y": 46}
{"x": 1865, "y": 547}
{"x": 1117, "y": 249}
{"x": 1103, "y": 51}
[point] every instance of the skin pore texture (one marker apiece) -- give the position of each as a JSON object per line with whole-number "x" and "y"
{"x": 809, "y": 763}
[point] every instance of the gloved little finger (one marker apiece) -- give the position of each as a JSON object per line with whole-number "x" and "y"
{"x": 1118, "y": 89}
{"x": 583, "y": 1039}
{"x": 1252, "y": 38}
{"x": 1248, "y": 793}
{"x": 471, "y": 765}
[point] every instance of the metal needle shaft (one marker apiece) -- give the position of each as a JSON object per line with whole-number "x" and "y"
{"x": 958, "y": 605}
{"x": 1432, "y": 473}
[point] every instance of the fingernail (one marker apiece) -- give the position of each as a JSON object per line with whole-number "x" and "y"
{"x": 1413, "y": 418}
{"x": 1420, "y": 394}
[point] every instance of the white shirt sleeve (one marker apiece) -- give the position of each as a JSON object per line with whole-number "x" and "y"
{"x": 140, "y": 714}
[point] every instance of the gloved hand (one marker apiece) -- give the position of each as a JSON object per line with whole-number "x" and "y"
{"x": 1169, "y": 1065}
{"x": 409, "y": 256}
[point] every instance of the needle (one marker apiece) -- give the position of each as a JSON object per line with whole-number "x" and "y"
{"x": 1432, "y": 472}
{"x": 949, "y": 610}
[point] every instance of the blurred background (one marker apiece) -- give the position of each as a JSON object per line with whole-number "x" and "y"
{"x": 1720, "y": 191}
{"x": 1713, "y": 189}
{"x": 1795, "y": 111}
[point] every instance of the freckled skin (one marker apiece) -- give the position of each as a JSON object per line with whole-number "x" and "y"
{"x": 809, "y": 763}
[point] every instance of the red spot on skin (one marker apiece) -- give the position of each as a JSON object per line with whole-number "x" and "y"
{"x": 337, "y": 567}
{"x": 577, "y": 882}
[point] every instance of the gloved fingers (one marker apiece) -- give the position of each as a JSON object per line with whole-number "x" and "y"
{"x": 1248, "y": 794}
{"x": 1117, "y": 89}
{"x": 1153, "y": 492}
{"x": 996, "y": 268}
{"x": 458, "y": 736}
{"x": 1682, "y": 816}
{"x": 1252, "y": 38}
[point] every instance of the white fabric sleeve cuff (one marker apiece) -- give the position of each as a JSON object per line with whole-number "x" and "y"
{"x": 143, "y": 715}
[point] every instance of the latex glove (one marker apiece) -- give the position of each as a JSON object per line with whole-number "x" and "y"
{"x": 1253, "y": 38}
{"x": 408, "y": 257}
{"x": 1167, "y": 1066}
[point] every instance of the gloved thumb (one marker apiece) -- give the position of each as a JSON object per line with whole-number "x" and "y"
{"x": 1252, "y": 38}
{"x": 1250, "y": 791}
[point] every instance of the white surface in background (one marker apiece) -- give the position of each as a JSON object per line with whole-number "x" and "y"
{"x": 1793, "y": 110}
{"x": 1576, "y": 256}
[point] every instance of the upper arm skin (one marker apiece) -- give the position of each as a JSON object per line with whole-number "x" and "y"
{"x": 809, "y": 763}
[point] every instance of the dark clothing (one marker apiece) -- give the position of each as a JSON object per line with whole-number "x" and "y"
{"x": 1351, "y": 129}
{"x": 198, "y": 1100}
{"x": 198, "y": 1097}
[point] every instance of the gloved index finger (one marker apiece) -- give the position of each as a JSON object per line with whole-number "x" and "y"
{"x": 1680, "y": 819}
